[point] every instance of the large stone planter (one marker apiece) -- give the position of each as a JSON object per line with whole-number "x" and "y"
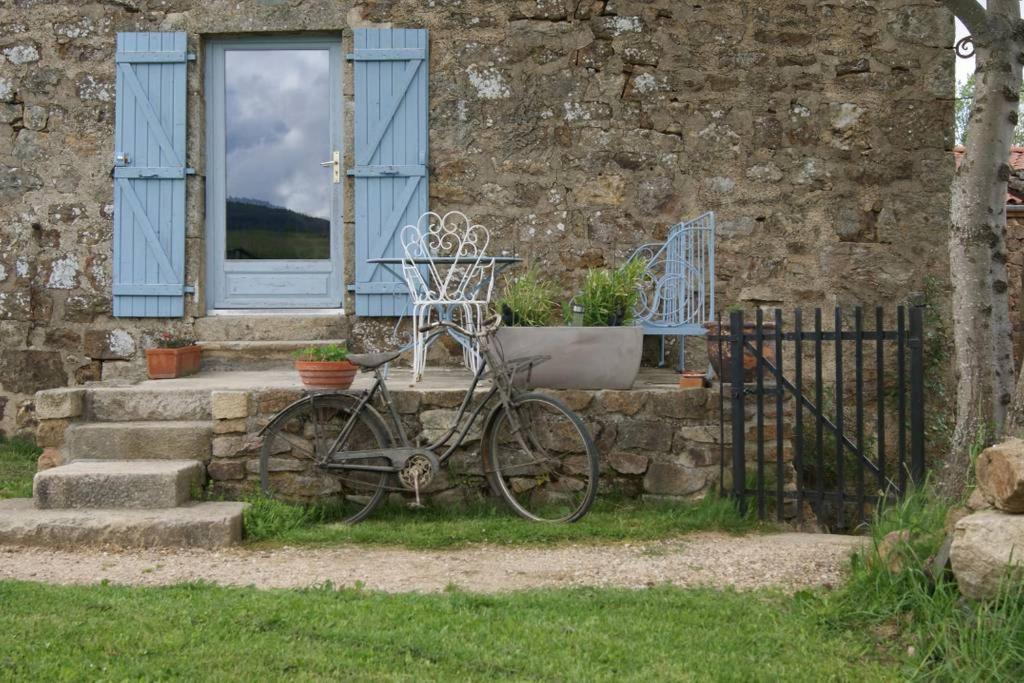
{"x": 581, "y": 357}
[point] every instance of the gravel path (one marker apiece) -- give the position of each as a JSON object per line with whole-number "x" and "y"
{"x": 789, "y": 561}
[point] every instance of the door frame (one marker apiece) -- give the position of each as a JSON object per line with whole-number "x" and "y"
{"x": 216, "y": 185}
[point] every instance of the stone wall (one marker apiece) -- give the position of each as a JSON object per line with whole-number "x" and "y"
{"x": 654, "y": 442}
{"x": 819, "y": 131}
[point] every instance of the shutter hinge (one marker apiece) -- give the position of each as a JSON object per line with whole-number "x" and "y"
{"x": 188, "y": 289}
{"x": 190, "y": 56}
{"x": 190, "y": 171}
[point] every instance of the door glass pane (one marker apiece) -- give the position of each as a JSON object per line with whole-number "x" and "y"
{"x": 277, "y": 131}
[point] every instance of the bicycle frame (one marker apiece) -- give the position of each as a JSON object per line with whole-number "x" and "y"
{"x": 503, "y": 385}
{"x": 380, "y": 386}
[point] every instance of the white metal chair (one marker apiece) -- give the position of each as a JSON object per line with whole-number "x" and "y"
{"x": 449, "y": 274}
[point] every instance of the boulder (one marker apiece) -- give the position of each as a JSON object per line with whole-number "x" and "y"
{"x": 985, "y": 545}
{"x": 1000, "y": 470}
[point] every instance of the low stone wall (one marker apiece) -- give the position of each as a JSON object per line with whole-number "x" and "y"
{"x": 653, "y": 442}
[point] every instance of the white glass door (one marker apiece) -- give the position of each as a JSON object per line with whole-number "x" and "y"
{"x": 274, "y": 193}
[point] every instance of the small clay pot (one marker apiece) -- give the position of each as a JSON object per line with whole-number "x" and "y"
{"x": 326, "y": 374}
{"x": 723, "y": 365}
{"x": 172, "y": 363}
{"x": 691, "y": 380}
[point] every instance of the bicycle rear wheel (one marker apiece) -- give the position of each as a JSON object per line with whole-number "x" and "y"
{"x": 541, "y": 459}
{"x": 296, "y": 447}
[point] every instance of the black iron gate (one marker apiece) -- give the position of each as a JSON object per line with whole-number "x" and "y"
{"x": 800, "y": 408}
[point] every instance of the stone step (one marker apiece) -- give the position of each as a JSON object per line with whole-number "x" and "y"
{"x": 219, "y": 356}
{"x": 286, "y": 326}
{"x": 140, "y": 404}
{"x": 197, "y": 525}
{"x": 138, "y": 441}
{"x": 107, "y": 484}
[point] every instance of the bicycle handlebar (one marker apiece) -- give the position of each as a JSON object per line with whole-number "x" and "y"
{"x": 488, "y": 326}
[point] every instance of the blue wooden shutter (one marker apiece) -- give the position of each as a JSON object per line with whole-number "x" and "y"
{"x": 391, "y": 158}
{"x": 149, "y": 175}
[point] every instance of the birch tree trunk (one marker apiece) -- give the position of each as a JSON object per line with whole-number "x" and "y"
{"x": 977, "y": 244}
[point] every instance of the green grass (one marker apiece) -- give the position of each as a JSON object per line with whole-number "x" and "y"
{"x": 272, "y": 523}
{"x": 17, "y": 467}
{"x": 202, "y": 632}
{"x": 952, "y": 639}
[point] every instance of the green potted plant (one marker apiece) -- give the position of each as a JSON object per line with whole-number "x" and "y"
{"x": 173, "y": 355}
{"x": 597, "y": 348}
{"x": 325, "y": 367}
{"x": 720, "y": 351}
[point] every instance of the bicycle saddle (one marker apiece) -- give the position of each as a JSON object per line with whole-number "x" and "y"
{"x": 372, "y": 361}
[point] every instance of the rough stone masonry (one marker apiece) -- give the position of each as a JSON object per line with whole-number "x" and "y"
{"x": 818, "y": 130}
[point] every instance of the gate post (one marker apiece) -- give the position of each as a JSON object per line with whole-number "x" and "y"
{"x": 916, "y": 343}
{"x": 739, "y": 418}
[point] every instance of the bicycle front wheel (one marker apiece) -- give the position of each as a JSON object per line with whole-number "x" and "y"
{"x": 299, "y": 444}
{"x": 541, "y": 460}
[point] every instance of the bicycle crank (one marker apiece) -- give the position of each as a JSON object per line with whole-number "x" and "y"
{"x": 418, "y": 472}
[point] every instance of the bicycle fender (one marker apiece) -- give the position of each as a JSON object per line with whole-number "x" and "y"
{"x": 353, "y": 400}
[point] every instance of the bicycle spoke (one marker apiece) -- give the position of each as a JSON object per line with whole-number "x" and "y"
{"x": 300, "y": 445}
{"x": 540, "y": 458}
{"x": 297, "y": 448}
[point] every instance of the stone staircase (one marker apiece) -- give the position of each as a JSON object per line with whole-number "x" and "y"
{"x": 135, "y": 459}
{"x": 127, "y": 503}
{"x": 135, "y": 453}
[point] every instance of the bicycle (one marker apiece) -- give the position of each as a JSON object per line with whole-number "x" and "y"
{"x": 536, "y": 453}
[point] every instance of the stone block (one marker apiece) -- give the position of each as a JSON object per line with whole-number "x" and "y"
{"x": 406, "y": 402}
{"x": 59, "y": 403}
{"x": 137, "y": 484}
{"x": 1000, "y": 470}
{"x": 670, "y": 479}
{"x": 51, "y": 433}
{"x": 228, "y": 405}
{"x": 624, "y": 402}
{"x": 645, "y": 435}
{"x": 226, "y": 470}
{"x": 227, "y": 446}
{"x": 700, "y": 455}
{"x": 35, "y": 117}
{"x": 49, "y": 458}
{"x": 442, "y": 399}
{"x": 689, "y": 404}
{"x": 29, "y": 371}
{"x": 628, "y": 463}
{"x": 275, "y": 400}
{"x": 576, "y": 399}
{"x": 986, "y": 547}
{"x": 123, "y": 369}
{"x": 277, "y": 465}
{"x": 230, "y": 426}
{"x": 705, "y": 434}
{"x": 437, "y": 422}
{"x": 134, "y": 404}
{"x": 139, "y": 441}
{"x": 108, "y": 344}
{"x": 200, "y": 525}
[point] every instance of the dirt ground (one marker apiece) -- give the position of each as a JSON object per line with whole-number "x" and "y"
{"x": 789, "y": 561}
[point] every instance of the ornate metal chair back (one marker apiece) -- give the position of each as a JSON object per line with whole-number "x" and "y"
{"x": 430, "y": 277}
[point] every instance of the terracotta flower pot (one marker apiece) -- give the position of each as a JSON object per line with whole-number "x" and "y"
{"x": 691, "y": 380}
{"x": 723, "y": 365}
{"x": 322, "y": 374}
{"x": 171, "y": 363}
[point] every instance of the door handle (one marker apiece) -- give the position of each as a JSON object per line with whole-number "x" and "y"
{"x": 335, "y": 164}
